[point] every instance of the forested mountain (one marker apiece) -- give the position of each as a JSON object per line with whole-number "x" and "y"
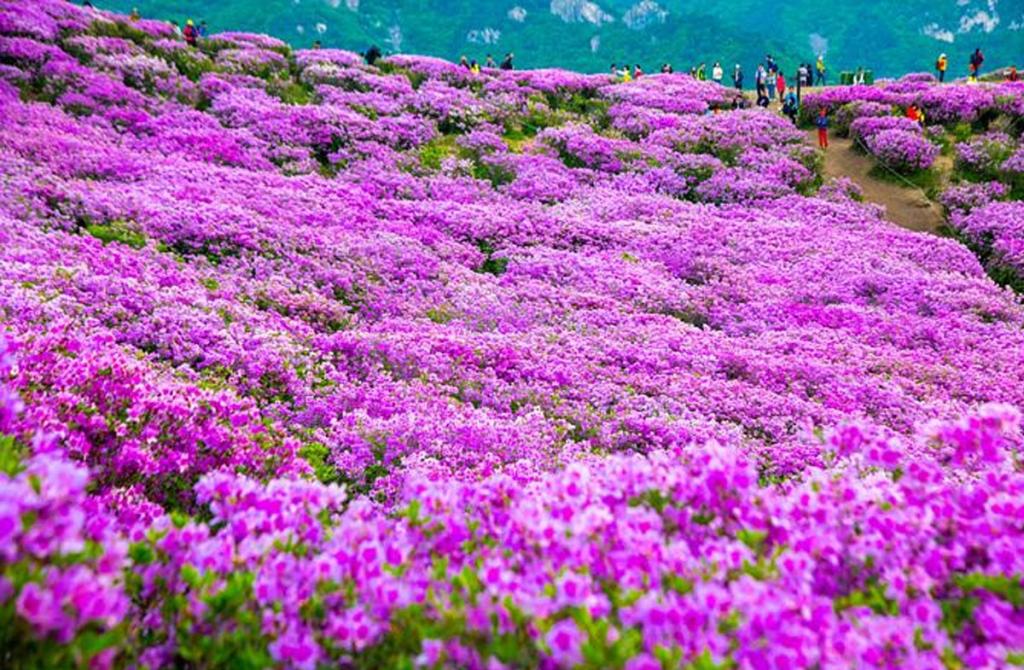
{"x": 890, "y": 37}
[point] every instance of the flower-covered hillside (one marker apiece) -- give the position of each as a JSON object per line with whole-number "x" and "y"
{"x": 978, "y": 127}
{"x": 315, "y": 364}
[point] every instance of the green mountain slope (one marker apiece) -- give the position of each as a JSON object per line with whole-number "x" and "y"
{"x": 890, "y": 37}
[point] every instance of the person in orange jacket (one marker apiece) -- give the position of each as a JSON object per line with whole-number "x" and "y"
{"x": 941, "y": 65}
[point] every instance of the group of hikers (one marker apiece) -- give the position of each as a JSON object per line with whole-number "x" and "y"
{"x": 473, "y": 66}
{"x": 973, "y": 67}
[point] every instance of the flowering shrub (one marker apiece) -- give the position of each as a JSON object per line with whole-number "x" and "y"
{"x": 848, "y": 113}
{"x": 310, "y": 363}
{"x": 903, "y": 151}
{"x": 996, "y": 231}
{"x": 966, "y": 197}
{"x": 983, "y": 156}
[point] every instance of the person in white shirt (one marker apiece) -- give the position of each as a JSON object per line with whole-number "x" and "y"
{"x": 717, "y": 73}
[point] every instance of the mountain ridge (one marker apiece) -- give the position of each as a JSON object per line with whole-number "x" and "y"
{"x": 588, "y": 36}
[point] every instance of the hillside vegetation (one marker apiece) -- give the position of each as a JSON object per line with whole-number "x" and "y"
{"x": 310, "y": 364}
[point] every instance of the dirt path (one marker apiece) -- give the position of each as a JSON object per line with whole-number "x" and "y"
{"x": 906, "y": 207}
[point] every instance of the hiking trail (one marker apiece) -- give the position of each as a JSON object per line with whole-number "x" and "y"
{"x": 906, "y": 207}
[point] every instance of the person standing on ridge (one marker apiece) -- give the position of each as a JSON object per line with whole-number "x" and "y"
{"x": 463, "y": 61}
{"x": 717, "y": 73}
{"x": 474, "y": 67}
{"x": 372, "y": 55}
{"x": 819, "y": 68}
{"x": 780, "y": 83}
{"x": 802, "y": 76}
{"x": 202, "y": 30}
{"x": 977, "y": 58}
{"x": 791, "y": 106}
{"x": 489, "y": 63}
{"x": 822, "y": 123}
{"x": 190, "y": 33}
{"x": 317, "y": 46}
{"x": 941, "y": 65}
{"x": 770, "y": 81}
{"x": 1011, "y": 74}
{"x": 737, "y": 77}
{"x": 134, "y": 16}
{"x": 702, "y": 74}
{"x": 637, "y": 71}
{"x": 506, "y": 63}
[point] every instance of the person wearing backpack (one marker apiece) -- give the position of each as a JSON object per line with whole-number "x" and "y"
{"x": 822, "y": 123}
{"x": 977, "y": 58}
{"x": 941, "y": 65}
{"x": 791, "y": 106}
{"x": 190, "y": 33}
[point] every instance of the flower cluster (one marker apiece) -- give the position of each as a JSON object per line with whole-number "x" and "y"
{"x": 310, "y": 363}
{"x": 996, "y": 231}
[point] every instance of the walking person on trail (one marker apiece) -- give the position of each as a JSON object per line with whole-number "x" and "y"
{"x": 822, "y": 123}
{"x": 819, "y": 68}
{"x": 780, "y": 83}
{"x": 977, "y": 58}
{"x": 760, "y": 79}
{"x": 190, "y": 33}
{"x": 858, "y": 77}
{"x": 737, "y": 77}
{"x": 941, "y": 65}
{"x": 791, "y": 106}
{"x": 803, "y": 75}
{"x": 717, "y": 73}
{"x": 770, "y": 82}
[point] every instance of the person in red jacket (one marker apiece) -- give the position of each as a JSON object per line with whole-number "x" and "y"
{"x": 190, "y": 33}
{"x": 822, "y": 123}
{"x": 780, "y": 83}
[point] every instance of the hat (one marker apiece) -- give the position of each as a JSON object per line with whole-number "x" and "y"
{"x": 189, "y": 22}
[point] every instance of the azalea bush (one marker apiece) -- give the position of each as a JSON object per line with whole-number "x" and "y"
{"x": 307, "y": 363}
{"x": 902, "y": 151}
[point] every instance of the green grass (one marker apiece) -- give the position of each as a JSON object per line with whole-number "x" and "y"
{"x": 119, "y": 232}
{"x": 930, "y": 181}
